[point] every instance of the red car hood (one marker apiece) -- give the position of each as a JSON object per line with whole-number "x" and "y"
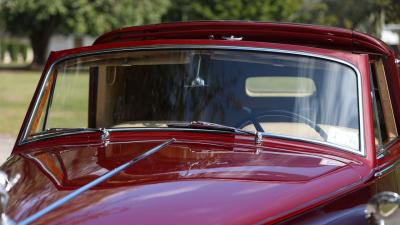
{"x": 186, "y": 183}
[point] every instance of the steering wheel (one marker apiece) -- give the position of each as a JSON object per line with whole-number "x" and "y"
{"x": 255, "y": 120}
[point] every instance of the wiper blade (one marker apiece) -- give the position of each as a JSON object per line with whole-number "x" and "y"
{"x": 56, "y": 131}
{"x": 209, "y": 126}
{"x": 215, "y": 126}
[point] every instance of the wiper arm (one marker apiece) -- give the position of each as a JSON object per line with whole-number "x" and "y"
{"x": 93, "y": 183}
{"x": 215, "y": 126}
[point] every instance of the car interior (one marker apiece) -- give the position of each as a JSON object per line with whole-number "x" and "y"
{"x": 285, "y": 95}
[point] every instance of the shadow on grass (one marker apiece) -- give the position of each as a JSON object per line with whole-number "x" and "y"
{"x": 21, "y": 67}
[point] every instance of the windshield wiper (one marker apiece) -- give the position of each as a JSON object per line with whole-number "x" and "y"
{"x": 215, "y": 126}
{"x": 57, "y": 131}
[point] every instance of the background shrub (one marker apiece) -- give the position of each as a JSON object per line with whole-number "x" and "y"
{"x": 13, "y": 49}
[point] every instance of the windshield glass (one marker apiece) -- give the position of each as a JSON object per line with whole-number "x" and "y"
{"x": 281, "y": 94}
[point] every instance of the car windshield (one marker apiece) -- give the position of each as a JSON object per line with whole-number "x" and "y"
{"x": 281, "y": 94}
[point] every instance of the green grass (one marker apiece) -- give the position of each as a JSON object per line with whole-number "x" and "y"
{"x": 69, "y": 107}
{"x": 16, "y": 91}
{"x": 13, "y": 66}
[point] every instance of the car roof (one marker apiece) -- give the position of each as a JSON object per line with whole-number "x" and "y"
{"x": 285, "y": 33}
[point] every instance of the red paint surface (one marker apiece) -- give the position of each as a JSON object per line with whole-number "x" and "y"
{"x": 299, "y": 34}
{"x": 199, "y": 179}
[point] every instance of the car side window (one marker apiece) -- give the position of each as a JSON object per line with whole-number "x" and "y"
{"x": 384, "y": 122}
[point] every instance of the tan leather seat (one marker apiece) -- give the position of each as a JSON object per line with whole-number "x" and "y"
{"x": 288, "y": 129}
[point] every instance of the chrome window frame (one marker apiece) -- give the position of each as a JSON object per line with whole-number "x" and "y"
{"x": 361, "y": 151}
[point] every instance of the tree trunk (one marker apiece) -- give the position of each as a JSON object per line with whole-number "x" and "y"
{"x": 40, "y": 44}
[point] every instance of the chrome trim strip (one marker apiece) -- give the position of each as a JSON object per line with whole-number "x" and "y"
{"x": 128, "y": 130}
{"x": 387, "y": 168}
{"x": 91, "y": 184}
{"x": 59, "y": 135}
{"x": 287, "y": 137}
{"x": 384, "y": 171}
{"x": 23, "y": 140}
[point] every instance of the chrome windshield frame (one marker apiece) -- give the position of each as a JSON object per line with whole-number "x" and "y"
{"x": 361, "y": 151}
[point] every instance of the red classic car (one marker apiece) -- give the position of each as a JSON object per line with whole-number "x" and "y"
{"x": 211, "y": 123}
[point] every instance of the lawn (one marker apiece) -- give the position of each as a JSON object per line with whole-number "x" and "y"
{"x": 69, "y": 107}
{"x": 16, "y": 91}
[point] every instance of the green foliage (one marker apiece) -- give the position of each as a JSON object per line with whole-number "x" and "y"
{"x": 40, "y": 19}
{"x": 364, "y": 15}
{"x": 261, "y": 10}
{"x": 3, "y": 49}
{"x": 23, "y": 51}
{"x": 13, "y": 49}
{"x": 79, "y": 16}
{"x": 392, "y": 9}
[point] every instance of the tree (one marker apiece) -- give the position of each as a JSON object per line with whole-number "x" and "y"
{"x": 261, "y": 10}
{"x": 40, "y": 19}
{"x": 393, "y": 11}
{"x": 363, "y": 15}
{"x": 367, "y": 16}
